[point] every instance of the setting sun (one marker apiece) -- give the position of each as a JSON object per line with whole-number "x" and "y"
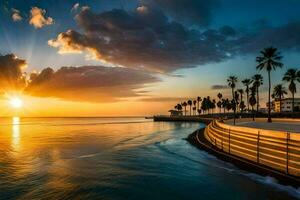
{"x": 16, "y": 102}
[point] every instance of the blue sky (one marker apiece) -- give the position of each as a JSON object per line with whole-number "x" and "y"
{"x": 220, "y": 38}
{"x": 30, "y": 43}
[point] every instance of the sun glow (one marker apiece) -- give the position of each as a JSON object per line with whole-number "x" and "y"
{"x": 16, "y": 102}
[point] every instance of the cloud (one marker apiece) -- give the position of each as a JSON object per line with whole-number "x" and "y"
{"x": 75, "y": 7}
{"x": 219, "y": 87}
{"x": 16, "y": 15}
{"x": 198, "y": 12}
{"x": 146, "y": 39}
{"x": 89, "y": 83}
{"x": 38, "y": 19}
{"x": 142, "y": 9}
{"x": 11, "y": 76}
{"x": 285, "y": 37}
{"x": 69, "y": 42}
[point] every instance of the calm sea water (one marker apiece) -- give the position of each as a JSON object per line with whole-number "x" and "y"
{"x": 118, "y": 158}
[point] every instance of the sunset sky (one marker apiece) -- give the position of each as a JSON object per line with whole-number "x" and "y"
{"x": 135, "y": 57}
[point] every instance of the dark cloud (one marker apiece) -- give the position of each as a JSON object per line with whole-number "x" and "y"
{"x": 198, "y": 12}
{"x": 146, "y": 39}
{"x": 11, "y": 76}
{"x": 285, "y": 37}
{"x": 143, "y": 39}
{"x": 228, "y": 31}
{"x": 89, "y": 83}
{"x": 219, "y": 87}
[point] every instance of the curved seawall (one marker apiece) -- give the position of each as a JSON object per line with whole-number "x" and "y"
{"x": 263, "y": 151}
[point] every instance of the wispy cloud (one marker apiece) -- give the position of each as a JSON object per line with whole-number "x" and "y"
{"x": 16, "y": 15}
{"x": 38, "y": 19}
{"x": 75, "y": 7}
{"x": 219, "y": 87}
{"x": 146, "y": 39}
{"x": 89, "y": 83}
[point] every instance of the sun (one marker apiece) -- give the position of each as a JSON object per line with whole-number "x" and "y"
{"x": 16, "y": 102}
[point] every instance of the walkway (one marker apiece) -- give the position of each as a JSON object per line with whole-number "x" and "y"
{"x": 285, "y": 125}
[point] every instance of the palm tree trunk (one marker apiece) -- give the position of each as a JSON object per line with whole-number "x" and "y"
{"x": 252, "y": 113}
{"x": 184, "y": 110}
{"x": 248, "y": 98}
{"x": 234, "y": 110}
{"x": 257, "y": 105}
{"x": 293, "y": 96}
{"x": 269, "y": 98}
{"x": 190, "y": 110}
{"x": 241, "y": 102}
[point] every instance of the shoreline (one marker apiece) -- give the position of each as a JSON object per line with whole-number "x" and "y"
{"x": 198, "y": 140}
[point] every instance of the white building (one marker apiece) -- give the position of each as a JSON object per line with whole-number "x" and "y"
{"x": 287, "y": 104}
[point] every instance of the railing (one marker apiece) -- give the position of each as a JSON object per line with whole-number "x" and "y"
{"x": 278, "y": 150}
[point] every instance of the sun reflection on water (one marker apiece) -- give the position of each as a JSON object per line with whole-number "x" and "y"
{"x": 15, "y": 133}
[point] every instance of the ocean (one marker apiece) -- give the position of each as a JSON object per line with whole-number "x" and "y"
{"x": 118, "y": 158}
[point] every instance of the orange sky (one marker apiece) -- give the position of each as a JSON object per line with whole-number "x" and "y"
{"x": 44, "y": 107}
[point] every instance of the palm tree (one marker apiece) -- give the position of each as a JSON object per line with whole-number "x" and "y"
{"x": 232, "y": 80}
{"x": 220, "y": 96}
{"x": 213, "y": 105}
{"x": 252, "y": 99}
{"x": 269, "y": 60}
{"x": 194, "y": 110}
{"x": 228, "y": 105}
{"x": 241, "y": 91}
{"x": 203, "y": 105}
{"x": 224, "y": 105}
{"x": 208, "y": 104}
{"x": 257, "y": 82}
{"x": 198, "y": 102}
{"x": 219, "y": 104}
{"x": 247, "y": 83}
{"x": 278, "y": 92}
{"x": 194, "y": 103}
{"x": 242, "y": 106}
{"x": 236, "y": 98}
{"x": 184, "y": 104}
{"x": 199, "y": 111}
{"x": 179, "y": 107}
{"x": 291, "y": 76}
{"x": 175, "y": 107}
{"x": 190, "y": 103}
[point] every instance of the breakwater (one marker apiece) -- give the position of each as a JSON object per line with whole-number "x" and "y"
{"x": 182, "y": 119}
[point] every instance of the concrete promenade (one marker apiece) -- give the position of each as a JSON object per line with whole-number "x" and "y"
{"x": 284, "y": 125}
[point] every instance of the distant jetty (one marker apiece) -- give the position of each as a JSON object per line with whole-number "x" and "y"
{"x": 165, "y": 118}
